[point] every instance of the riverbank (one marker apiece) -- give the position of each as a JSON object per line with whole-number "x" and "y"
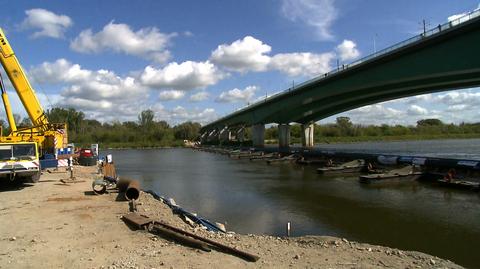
{"x": 392, "y": 138}
{"x": 54, "y": 225}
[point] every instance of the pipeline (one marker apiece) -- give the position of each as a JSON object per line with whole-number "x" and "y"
{"x": 185, "y": 237}
{"x": 182, "y": 212}
{"x": 130, "y": 187}
{"x": 133, "y": 190}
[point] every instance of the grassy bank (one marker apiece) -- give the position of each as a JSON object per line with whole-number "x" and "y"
{"x": 356, "y": 139}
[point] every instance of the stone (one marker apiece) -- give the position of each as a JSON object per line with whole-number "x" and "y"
{"x": 13, "y": 238}
{"x": 221, "y": 226}
{"x": 432, "y": 262}
{"x": 296, "y": 257}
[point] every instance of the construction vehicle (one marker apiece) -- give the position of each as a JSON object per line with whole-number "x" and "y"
{"x": 41, "y": 138}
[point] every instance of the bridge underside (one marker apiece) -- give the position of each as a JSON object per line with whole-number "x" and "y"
{"x": 444, "y": 61}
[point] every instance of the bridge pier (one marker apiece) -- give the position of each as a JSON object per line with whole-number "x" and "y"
{"x": 203, "y": 137}
{"x": 284, "y": 136}
{"x": 212, "y": 136}
{"x": 307, "y": 135}
{"x": 241, "y": 134}
{"x": 225, "y": 135}
{"x": 258, "y": 135}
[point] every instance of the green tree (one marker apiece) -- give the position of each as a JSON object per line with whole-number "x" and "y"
{"x": 429, "y": 122}
{"x": 345, "y": 126}
{"x": 187, "y": 130}
{"x": 145, "y": 119}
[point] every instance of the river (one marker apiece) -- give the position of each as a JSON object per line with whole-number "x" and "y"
{"x": 253, "y": 197}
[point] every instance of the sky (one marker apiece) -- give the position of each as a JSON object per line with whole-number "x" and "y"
{"x": 201, "y": 60}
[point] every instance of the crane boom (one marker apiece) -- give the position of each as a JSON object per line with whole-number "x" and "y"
{"x": 48, "y": 136}
{"x": 21, "y": 84}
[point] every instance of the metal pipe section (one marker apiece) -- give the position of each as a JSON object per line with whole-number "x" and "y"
{"x": 130, "y": 187}
{"x": 133, "y": 190}
{"x": 122, "y": 183}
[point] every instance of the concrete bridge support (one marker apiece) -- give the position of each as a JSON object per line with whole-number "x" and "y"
{"x": 258, "y": 135}
{"x": 203, "y": 137}
{"x": 284, "y": 136}
{"x": 241, "y": 134}
{"x": 212, "y": 136}
{"x": 307, "y": 135}
{"x": 225, "y": 135}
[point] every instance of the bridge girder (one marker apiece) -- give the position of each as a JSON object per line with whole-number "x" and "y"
{"x": 444, "y": 61}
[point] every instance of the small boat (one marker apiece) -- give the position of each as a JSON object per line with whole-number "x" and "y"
{"x": 460, "y": 184}
{"x": 355, "y": 166}
{"x": 238, "y": 154}
{"x": 264, "y": 157}
{"x": 322, "y": 162}
{"x": 250, "y": 155}
{"x": 406, "y": 173}
{"x": 290, "y": 158}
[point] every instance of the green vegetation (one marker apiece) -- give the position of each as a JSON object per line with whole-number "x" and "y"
{"x": 146, "y": 132}
{"x": 343, "y": 130}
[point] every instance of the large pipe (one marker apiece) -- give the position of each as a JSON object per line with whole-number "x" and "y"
{"x": 130, "y": 187}
{"x": 176, "y": 236}
{"x": 133, "y": 190}
{"x": 122, "y": 183}
{"x": 219, "y": 246}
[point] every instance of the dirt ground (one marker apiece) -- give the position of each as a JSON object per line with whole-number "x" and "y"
{"x": 55, "y": 225}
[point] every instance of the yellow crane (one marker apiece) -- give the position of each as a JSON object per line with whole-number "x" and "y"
{"x": 45, "y": 136}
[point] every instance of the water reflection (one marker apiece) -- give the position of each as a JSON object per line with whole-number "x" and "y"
{"x": 253, "y": 197}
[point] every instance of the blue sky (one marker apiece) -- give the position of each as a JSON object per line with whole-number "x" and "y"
{"x": 194, "y": 60}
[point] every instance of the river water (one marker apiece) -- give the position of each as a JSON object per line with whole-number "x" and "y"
{"x": 253, "y": 197}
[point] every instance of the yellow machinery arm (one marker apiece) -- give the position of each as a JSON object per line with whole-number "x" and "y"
{"x": 8, "y": 109}
{"x": 49, "y": 136}
{"x": 21, "y": 84}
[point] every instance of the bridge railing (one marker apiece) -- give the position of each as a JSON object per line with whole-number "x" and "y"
{"x": 440, "y": 28}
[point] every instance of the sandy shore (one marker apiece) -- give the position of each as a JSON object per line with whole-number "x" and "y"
{"x": 55, "y": 225}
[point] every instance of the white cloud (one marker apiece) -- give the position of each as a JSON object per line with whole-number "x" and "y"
{"x": 46, "y": 23}
{"x": 87, "y": 84}
{"x": 58, "y": 72}
{"x": 459, "y": 97}
{"x": 200, "y": 96}
{"x": 250, "y": 54}
{"x": 171, "y": 95}
{"x": 180, "y": 114}
{"x": 188, "y": 34}
{"x": 185, "y": 76}
{"x": 247, "y": 54}
{"x": 148, "y": 43}
{"x": 101, "y": 94}
{"x": 347, "y": 50}
{"x": 237, "y": 95}
{"x": 376, "y": 114}
{"x": 456, "y": 108}
{"x": 451, "y": 107}
{"x": 416, "y": 110}
{"x": 302, "y": 64}
{"x": 318, "y": 14}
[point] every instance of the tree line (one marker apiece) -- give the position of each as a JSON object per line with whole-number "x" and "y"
{"x": 148, "y": 132}
{"x": 344, "y": 130}
{"x": 145, "y": 132}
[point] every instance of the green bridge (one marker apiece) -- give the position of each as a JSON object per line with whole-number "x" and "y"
{"x": 446, "y": 57}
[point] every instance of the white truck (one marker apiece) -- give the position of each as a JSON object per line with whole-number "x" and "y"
{"x": 20, "y": 161}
